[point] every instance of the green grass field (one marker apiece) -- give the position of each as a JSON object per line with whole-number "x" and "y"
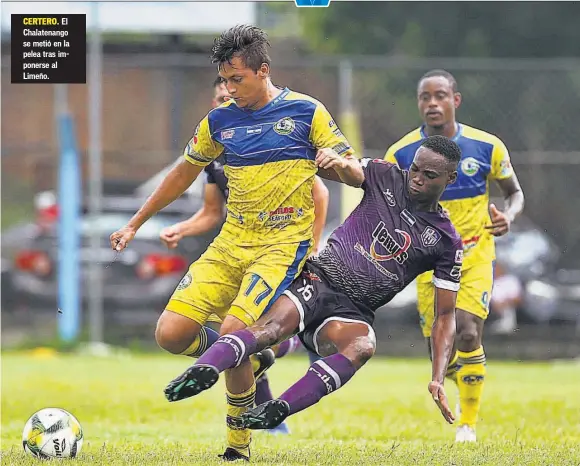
{"x": 531, "y": 414}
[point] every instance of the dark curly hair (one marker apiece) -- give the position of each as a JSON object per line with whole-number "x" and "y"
{"x": 247, "y": 42}
{"x": 445, "y": 147}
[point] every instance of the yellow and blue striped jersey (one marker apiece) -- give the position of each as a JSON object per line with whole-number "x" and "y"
{"x": 483, "y": 157}
{"x": 269, "y": 162}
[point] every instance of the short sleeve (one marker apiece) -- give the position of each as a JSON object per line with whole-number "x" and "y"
{"x": 390, "y": 155}
{"x": 447, "y": 270}
{"x": 501, "y": 167}
{"x": 201, "y": 148}
{"x": 371, "y": 167}
{"x": 325, "y": 133}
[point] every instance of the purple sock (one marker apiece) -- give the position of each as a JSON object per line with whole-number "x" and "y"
{"x": 323, "y": 377}
{"x": 263, "y": 392}
{"x": 288, "y": 346}
{"x": 229, "y": 350}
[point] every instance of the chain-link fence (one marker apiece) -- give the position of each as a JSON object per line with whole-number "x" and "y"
{"x": 152, "y": 102}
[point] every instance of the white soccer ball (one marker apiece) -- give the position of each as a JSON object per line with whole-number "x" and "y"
{"x": 52, "y": 433}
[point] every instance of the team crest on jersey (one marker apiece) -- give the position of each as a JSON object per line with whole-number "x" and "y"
{"x": 430, "y": 237}
{"x": 284, "y": 126}
{"x": 469, "y": 166}
{"x": 185, "y": 281}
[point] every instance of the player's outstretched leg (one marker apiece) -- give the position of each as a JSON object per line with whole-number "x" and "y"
{"x": 355, "y": 342}
{"x": 231, "y": 350}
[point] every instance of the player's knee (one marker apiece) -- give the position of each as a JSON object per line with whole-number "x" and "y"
{"x": 172, "y": 337}
{"x": 467, "y": 338}
{"x": 361, "y": 350}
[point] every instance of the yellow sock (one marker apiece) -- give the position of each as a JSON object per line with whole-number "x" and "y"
{"x": 470, "y": 380}
{"x": 200, "y": 344}
{"x": 239, "y": 439}
{"x": 451, "y": 373}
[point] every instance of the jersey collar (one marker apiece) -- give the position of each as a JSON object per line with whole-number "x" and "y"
{"x": 458, "y": 132}
{"x": 274, "y": 101}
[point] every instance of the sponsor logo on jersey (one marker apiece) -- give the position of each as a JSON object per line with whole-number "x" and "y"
{"x": 254, "y": 130}
{"x": 228, "y": 133}
{"x": 195, "y": 134}
{"x": 396, "y": 251}
{"x": 341, "y": 148}
{"x": 459, "y": 256}
{"x": 505, "y": 169}
{"x": 281, "y": 214}
{"x": 469, "y": 244}
{"x": 284, "y": 126}
{"x": 430, "y": 237}
{"x": 470, "y": 166}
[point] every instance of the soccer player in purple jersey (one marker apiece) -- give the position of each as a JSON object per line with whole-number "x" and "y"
{"x": 397, "y": 232}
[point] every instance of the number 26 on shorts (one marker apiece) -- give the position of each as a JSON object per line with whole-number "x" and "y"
{"x": 260, "y": 287}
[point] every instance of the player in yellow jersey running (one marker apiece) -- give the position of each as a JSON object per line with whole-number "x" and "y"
{"x": 484, "y": 157}
{"x": 273, "y": 141}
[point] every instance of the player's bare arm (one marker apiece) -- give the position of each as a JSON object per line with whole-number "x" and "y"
{"x": 335, "y": 167}
{"x": 173, "y": 185}
{"x": 442, "y": 338}
{"x": 514, "y": 205}
{"x": 204, "y": 220}
{"x": 321, "y": 198}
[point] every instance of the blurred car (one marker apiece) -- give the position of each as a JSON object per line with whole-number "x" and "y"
{"x": 142, "y": 276}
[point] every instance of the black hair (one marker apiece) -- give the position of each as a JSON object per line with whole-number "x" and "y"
{"x": 217, "y": 81}
{"x": 445, "y": 147}
{"x": 247, "y": 42}
{"x": 441, "y": 74}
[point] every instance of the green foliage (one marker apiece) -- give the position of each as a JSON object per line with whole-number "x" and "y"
{"x": 470, "y": 29}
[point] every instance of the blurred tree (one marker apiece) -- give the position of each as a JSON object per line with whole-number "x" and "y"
{"x": 450, "y": 29}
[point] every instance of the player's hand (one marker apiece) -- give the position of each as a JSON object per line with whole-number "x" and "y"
{"x": 121, "y": 238}
{"x": 500, "y": 222}
{"x": 438, "y": 393}
{"x": 328, "y": 158}
{"x": 170, "y": 236}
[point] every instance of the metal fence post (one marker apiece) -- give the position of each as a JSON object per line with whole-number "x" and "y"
{"x": 95, "y": 288}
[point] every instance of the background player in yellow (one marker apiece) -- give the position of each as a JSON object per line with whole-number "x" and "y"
{"x": 272, "y": 141}
{"x": 484, "y": 157}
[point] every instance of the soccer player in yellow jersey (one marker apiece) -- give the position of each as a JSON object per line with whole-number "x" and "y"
{"x": 273, "y": 141}
{"x": 484, "y": 157}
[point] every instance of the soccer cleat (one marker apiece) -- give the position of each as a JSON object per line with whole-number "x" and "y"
{"x": 194, "y": 380}
{"x": 267, "y": 415}
{"x": 465, "y": 434}
{"x": 267, "y": 358}
{"x": 282, "y": 429}
{"x": 233, "y": 455}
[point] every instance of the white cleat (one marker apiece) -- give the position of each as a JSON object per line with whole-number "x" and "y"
{"x": 465, "y": 434}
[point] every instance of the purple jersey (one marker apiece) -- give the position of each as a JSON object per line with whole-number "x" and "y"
{"x": 384, "y": 243}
